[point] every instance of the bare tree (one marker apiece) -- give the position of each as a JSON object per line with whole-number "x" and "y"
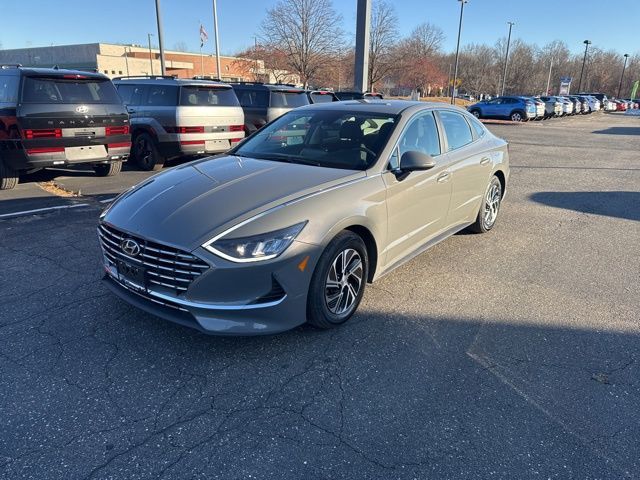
{"x": 417, "y": 56}
{"x": 307, "y": 32}
{"x": 181, "y": 46}
{"x": 383, "y": 39}
{"x": 264, "y": 64}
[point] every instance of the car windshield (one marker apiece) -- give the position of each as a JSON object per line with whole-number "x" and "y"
{"x": 288, "y": 98}
{"x": 331, "y": 139}
{"x": 64, "y": 91}
{"x": 208, "y": 96}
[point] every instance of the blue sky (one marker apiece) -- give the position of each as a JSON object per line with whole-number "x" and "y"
{"x": 128, "y": 21}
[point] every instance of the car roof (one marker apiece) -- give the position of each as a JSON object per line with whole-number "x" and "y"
{"x": 385, "y": 107}
{"x": 155, "y": 80}
{"x": 267, "y": 86}
{"x": 58, "y": 72}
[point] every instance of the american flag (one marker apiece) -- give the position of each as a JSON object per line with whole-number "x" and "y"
{"x": 203, "y": 36}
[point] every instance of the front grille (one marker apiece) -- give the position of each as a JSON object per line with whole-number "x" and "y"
{"x": 168, "y": 269}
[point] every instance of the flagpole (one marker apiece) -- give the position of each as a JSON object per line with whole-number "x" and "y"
{"x": 215, "y": 32}
{"x": 201, "y": 62}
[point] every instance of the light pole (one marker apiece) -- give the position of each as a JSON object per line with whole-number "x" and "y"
{"x": 626, "y": 56}
{"x": 159, "y": 20}
{"x": 584, "y": 61}
{"x": 149, "y": 35}
{"x": 126, "y": 59}
{"x": 449, "y": 81}
{"x": 506, "y": 59}
{"x": 215, "y": 34}
{"x": 363, "y": 27}
{"x": 455, "y": 70}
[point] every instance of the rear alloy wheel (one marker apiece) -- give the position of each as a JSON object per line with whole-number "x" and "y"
{"x": 145, "y": 153}
{"x": 108, "y": 169}
{"x": 8, "y": 177}
{"x": 338, "y": 282}
{"x": 490, "y": 207}
{"x": 516, "y": 117}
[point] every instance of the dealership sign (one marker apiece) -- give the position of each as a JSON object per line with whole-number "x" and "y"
{"x": 565, "y": 85}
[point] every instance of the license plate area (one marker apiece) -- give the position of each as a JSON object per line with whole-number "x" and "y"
{"x": 88, "y": 152}
{"x": 133, "y": 276}
{"x": 217, "y": 144}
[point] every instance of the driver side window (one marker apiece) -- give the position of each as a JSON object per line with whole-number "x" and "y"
{"x": 421, "y": 135}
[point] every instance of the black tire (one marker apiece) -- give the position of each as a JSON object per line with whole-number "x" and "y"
{"x": 108, "y": 169}
{"x": 475, "y": 113}
{"x": 8, "y": 177}
{"x": 483, "y": 224}
{"x": 517, "y": 116}
{"x": 319, "y": 311}
{"x": 144, "y": 151}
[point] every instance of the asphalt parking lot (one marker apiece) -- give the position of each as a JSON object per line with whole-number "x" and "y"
{"x": 508, "y": 355}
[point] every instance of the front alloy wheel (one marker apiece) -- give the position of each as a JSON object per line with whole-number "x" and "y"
{"x": 338, "y": 281}
{"x": 343, "y": 282}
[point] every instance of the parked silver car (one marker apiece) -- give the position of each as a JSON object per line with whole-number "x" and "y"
{"x": 291, "y": 224}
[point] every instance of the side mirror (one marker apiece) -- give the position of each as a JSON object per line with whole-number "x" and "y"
{"x": 412, "y": 161}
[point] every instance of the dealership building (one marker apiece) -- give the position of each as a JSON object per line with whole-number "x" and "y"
{"x": 121, "y": 60}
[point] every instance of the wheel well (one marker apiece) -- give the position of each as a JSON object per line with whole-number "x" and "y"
{"x": 372, "y": 248}
{"x": 503, "y": 180}
{"x": 138, "y": 130}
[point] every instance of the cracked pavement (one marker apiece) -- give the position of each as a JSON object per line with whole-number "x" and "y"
{"x": 508, "y": 355}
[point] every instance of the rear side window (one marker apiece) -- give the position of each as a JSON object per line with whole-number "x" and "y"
{"x": 253, "y": 98}
{"x": 456, "y": 129}
{"x": 62, "y": 90}
{"x": 162, "y": 96}
{"x": 283, "y": 99}
{"x": 131, "y": 94}
{"x": 204, "y": 96}
{"x": 477, "y": 126}
{"x": 8, "y": 89}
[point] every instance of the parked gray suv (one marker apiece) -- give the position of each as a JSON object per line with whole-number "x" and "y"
{"x": 264, "y": 102}
{"x": 173, "y": 117}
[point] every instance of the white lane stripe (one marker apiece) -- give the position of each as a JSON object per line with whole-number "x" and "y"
{"x": 41, "y": 210}
{"x": 108, "y": 200}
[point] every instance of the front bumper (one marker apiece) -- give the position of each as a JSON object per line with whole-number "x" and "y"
{"x": 229, "y": 298}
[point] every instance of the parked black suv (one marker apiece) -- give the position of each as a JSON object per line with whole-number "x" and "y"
{"x": 264, "y": 102}
{"x": 52, "y": 117}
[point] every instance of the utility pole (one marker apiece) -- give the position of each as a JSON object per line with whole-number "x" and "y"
{"x": 149, "y": 35}
{"x": 626, "y": 56}
{"x": 455, "y": 70}
{"x": 584, "y": 61}
{"x": 506, "y": 59}
{"x": 159, "y": 20}
{"x": 215, "y": 34}
{"x": 449, "y": 82}
{"x": 363, "y": 28}
{"x": 546, "y": 92}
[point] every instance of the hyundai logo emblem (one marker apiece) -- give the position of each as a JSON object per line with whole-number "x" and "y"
{"x": 82, "y": 109}
{"x": 130, "y": 247}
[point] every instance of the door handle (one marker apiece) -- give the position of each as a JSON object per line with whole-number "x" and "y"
{"x": 443, "y": 177}
{"x": 485, "y": 160}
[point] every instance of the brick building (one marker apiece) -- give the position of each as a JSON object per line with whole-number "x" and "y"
{"x": 119, "y": 60}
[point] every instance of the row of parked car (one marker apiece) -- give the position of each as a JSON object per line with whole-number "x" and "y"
{"x": 520, "y": 108}
{"x": 55, "y": 117}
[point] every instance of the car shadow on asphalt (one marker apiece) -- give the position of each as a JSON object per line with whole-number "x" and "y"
{"x": 610, "y": 204}
{"x": 619, "y": 131}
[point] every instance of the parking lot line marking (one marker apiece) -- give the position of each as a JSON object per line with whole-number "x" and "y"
{"x": 42, "y": 210}
{"x": 108, "y": 200}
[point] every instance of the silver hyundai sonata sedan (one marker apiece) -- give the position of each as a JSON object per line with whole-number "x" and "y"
{"x": 289, "y": 226}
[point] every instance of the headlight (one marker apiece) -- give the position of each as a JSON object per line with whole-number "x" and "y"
{"x": 256, "y": 247}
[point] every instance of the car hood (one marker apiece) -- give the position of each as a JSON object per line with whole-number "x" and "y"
{"x": 184, "y": 206}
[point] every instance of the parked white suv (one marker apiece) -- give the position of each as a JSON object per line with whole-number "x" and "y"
{"x": 172, "y": 118}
